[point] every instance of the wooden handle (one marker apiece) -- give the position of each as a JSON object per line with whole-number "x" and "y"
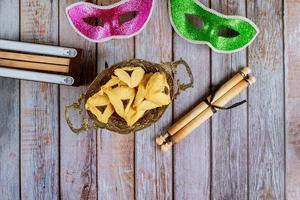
{"x": 161, "y": 139}
{"x": 202, "y": 106}
{"x": 34, "y": 66}
{"x": 34, "y": 58}
{"x": 207, "y": 113}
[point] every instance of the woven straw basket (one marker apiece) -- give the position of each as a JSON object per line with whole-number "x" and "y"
{"x": 116, "y": 123}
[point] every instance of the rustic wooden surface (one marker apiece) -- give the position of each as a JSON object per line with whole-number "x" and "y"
{"x": 229, "y": 155}
{"x": 192, "y": 177}
{"x": 292, "y": 86}
{"x": 251, "y": 152}
{"x": 266, "y": 107}
{"x": 78, "y": 162}
{"x": 116, "y": 165}
{"x": 9, "y": 107}
{"x": 39, "y": 125}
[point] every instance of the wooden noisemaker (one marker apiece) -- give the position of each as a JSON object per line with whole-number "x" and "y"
{"x": 202, "y": 106}
{"x": 34, "y": 62}
{"x": 207, "y": 113}
{"x": 37, "y": 62}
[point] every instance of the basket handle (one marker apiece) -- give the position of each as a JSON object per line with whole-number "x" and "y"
{"x": 182, "y": 86}
{"x": 85, "y": 126}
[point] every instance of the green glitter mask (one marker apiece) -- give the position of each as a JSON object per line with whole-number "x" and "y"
{"x": 199, "y": 24}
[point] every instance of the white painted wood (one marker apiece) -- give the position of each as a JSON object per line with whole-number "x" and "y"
{"x": 38, "y": 48}
{"x": 192, "y": 156}
{"x": 9, "y": 111}
{"x": 36, "y": 76}
{"x": 39, "y": 109}
{"x": 292, "y": 72}
{"x": 116, "y": 152}
{"x": 266, "y": 107}
{"x": 153, "y": 168}
{"x": 78, "y": 161}
{"x": 229, "y": 128}
{"x": 109, "y": 166}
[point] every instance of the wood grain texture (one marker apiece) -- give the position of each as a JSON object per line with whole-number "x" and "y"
{"x": 34, "y": 58}
{"x": 34, "y": 66}
{"x": 39, "y": 109}
{"x": 116, "y": 152}
{"x": 78, "y": 162}
{"x": 9, "y": 109}
{"x": 232, "y": 163}
{"x": 229, "y": 128}
{"x": 292, "y": 41}
{"x": 266, "y": 107}
{"x": 153, "y": 168}
{"x": 192, "y": 156}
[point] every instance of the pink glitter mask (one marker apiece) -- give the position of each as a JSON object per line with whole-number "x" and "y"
{"x": 101, "y": 23}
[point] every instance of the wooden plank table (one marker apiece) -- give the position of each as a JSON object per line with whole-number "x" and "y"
{"x": 252, "y": 152}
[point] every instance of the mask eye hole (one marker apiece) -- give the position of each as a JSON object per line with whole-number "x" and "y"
{"x": 93, "y": 21}
{"x": 228, "y": 33}
{"x": 126, "y": 17}
{"x": 195, "y": 20}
